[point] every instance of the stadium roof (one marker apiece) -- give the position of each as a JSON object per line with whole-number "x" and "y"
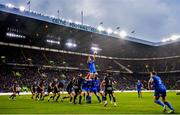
{"x": 76, "y": 25}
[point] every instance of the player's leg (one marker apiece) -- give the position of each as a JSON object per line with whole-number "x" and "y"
{"x": 84, "y": 96}
{"x": 97, "y": 95}
{"x": 10, "y": 97}
{"x": 37, "y": 96}
{"x": 41, "y": 95}
{"x": 80, "y": 97}
{"x": 157, "y": 101}
{"x": 138, "y": 93}
{"x": 114, "y": 98}
{"x": 57, "y": 96}
{"x": 52, "y": 97}
{"x": 167, "y": 103}
{"x": 110, "y": 98}
{"x": 69, "y": 94}
{"x": 88, "y": 97}
{"x": 72, "y": 95}
{"x": 105, "y": 99}
{"x": 14, "y": 96}
{"x": 102, "y": 95}
{"x": 48, "y": 93}
{"x": 32, "y": 95}
{"x": 33, "y": 92}
{"x": 83, "y": 93}
{"x": 18, "y": 93}
{"x": 75, "y": 96}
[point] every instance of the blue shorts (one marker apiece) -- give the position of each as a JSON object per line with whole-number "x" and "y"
{"x": 139, "y": 90}
{"x": 88, "y": 89}
{"x": 92, "y": 71}
{"x": 98, "y": 89}
{"x": 160, "y": 92}
{"x": 94, "y": 89}
{"x": 84, "y": 89}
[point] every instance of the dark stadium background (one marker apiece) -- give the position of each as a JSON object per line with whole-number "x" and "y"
{"x": 32, "y": 58}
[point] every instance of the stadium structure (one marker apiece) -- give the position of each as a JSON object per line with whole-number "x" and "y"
{"x": 34, "y": 45}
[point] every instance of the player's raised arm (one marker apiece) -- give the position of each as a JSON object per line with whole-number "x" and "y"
{"x": 94, "y": 55}
{"x": 89, "y": 59}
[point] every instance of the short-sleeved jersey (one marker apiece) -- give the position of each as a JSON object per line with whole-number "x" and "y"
{"x": 95, "y": 83}
{"x": 70, "y": 85}
{"x": 91, "y": 65}
{"x": 108, "y": 82}
{"x": 89, "y": 83}
{"x": 77, "y": 84}
{"x": 138, "y": 85}
{"x": 84, "y": 85}
{"x": 157, "y": 83}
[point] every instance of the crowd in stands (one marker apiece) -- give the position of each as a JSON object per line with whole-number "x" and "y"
{"x": 31, "y": 68}
{"x": 27, "y": 76}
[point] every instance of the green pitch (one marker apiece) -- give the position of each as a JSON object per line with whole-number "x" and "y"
{"x": 126, "y": 103}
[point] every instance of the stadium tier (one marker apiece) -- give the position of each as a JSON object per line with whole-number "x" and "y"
{"x": 33, "y": 48}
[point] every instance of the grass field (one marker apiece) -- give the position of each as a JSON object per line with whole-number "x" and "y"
{"x": 126, "y": 103}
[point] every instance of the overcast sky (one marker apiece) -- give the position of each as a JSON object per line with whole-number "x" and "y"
{"x": 152, "y": 20}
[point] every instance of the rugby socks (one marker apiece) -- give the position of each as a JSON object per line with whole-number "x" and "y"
{"x": 89, "y": 99}
{"x": 57, "y": 97}
{"x": 14, "y": 97}
{"x": 169, "y": 105}
{"x": 110, "y": 97}
{"x": 41, "y": 96}
{"x": 37, "y": 96}
{"x": 103, "y": 98}
{"x": 66, "y": 97}
{"x": 99, "y": 99}
{"x": 159, "y": 103}
{"x": 51, "y": 97}
{"x": 80, "y": 98}
{"x": 10, "y": 97}
{"x": 71, "y": 99}
{"x": 114, "y": 99}
{"x": 74, "y": 101}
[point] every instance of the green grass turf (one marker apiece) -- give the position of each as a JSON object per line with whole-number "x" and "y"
{"x": 126, "y": 103}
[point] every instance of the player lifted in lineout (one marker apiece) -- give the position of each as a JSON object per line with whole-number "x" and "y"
{"x": 91, "y": 65}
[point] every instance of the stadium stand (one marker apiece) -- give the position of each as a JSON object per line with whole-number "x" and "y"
{"x": 27, "y": 56}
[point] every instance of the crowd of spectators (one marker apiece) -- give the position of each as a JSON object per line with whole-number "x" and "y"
{"x": 26, "y": 66}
